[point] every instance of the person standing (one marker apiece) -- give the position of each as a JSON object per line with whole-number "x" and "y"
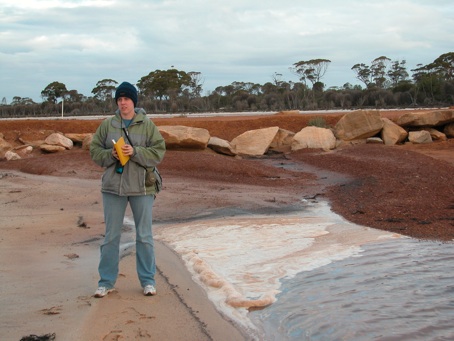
{"x": 125, "y": 184}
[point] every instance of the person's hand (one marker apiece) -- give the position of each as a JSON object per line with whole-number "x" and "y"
{"x": 114, "y": 153}
{"x": 127, "y": 149}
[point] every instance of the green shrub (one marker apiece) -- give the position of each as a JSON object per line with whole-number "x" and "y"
{"x": 317, "y": 122}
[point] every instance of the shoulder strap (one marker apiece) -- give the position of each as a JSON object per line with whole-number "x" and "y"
{"x": 127, "y": 136}
{"x": 130, "y": 142}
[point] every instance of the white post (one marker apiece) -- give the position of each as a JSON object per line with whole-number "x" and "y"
{"x": 62, "y": 105}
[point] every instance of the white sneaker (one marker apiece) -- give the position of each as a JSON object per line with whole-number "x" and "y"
{"x": 149, "y": 290}
{"x": 102, "y": 291}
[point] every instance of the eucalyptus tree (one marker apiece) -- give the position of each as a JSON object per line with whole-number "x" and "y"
{"x": 445, "y": 65}
{"x": 379, "y": 68}
{"x": 312, "y": 70}
{"x": 277, "y": 79}
{"x": 163, "y": 83}
{"x": 22, "y": 101}
{"x": 363, "y": 73}
{"x": 104, "y": 89}
{"x": 397, "y": 73}
{"x": 195, "y": 83}
{"x": 104, "y": 93}
{"x": 374, "y": 75}
{"x": 73, "y": 96}
{"x": 434, "y": 80}
{"x": 53, "y": 91}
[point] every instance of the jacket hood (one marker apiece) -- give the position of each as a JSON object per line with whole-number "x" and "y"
{"x": 138, "y": 111}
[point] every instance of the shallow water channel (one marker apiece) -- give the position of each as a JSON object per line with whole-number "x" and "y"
{"x": 311, "y": 275}
{"x": 400, "y": 289}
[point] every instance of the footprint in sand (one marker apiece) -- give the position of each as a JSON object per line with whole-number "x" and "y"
{"x": 114, "y": 335}
{"x": 52, "y": 311}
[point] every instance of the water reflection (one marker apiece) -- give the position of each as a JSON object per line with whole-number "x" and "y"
{"x": 242, "y": 261}
{"x": 397, "y": 290}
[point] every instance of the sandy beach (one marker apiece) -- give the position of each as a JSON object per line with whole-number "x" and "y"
{"x": 49, "y": 270}
{"x": 52, "y": 226}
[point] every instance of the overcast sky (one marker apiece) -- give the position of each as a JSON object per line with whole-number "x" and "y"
{"x": 80, "y": 42}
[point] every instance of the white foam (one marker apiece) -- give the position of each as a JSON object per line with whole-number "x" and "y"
{"x": 240, "y": 261}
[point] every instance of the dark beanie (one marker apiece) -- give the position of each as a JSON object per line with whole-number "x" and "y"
{"x": 126, "y": 89}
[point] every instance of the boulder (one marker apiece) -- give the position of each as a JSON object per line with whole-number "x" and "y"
{"x": 449, "y": 130}
{"x": 358, "y": 125}
{"x": 51, "y": 148}
{"x": 10, "y": 155}
{"x": 185, "y": 137}
{"x": 436, "y": 134}
{"x": 374, "y": 140}
{"x": 282, "y": 142}
{"x": 35, "y": 143}
{"x": 221, "y": 146}
{"x": 254, "y": 142}
{"x": 57, "y": 139}
{"x": 77, "y": 138}
{"x": 87, "y": 141}
{"x": 4, "y": 146}
{"x": 23, "y": 150}
{"x": 426, "y": 119}
{"x": 314, "y": 137}
{"x": 419, "y": 137}
{"x": 392, "y": 133}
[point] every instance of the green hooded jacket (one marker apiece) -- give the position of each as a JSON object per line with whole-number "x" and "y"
{"x": 149, "y": 149}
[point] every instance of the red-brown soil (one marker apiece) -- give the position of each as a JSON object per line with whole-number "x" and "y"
{"x": 408, "y": 189}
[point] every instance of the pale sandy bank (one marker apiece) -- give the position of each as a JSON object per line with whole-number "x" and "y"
{"x": 48, "y": 265}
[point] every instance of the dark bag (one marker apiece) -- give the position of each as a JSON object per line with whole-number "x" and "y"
{"x": 153, "y": 178}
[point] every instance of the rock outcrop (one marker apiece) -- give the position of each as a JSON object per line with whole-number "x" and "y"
{"x": 221, "y": 146}
{"x": 87, "y": 141}
{"x": 353, "y": 128}
{"x": 57, "y": 139}
{"x": 314, "y": 137}
{"x": 436, "y": 134}
{"x": 77, "y": 138}
{"x": 50, "y": 148}
{"x": 358, "y": 125}
{"x": 426, "y": 119}
{"x": 10, "y": 155}
{"x": 419, "y": 137}
{"x": 254, "y": 142}
{"x": 392, "y": 133}
{"x": 185, "y": 137}
{"x": 4, "y": 146}
{"x": 282, "y": 142}
{"x": 374, "y": 140}
{"x": 449, "y": 130}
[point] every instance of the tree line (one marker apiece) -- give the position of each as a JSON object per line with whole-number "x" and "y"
{"x": 385, "y": 83}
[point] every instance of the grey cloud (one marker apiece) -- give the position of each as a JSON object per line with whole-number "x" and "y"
{"x": 226, "y": 41}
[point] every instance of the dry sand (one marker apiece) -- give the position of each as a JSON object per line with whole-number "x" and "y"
{"x": 49, "y": 272}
